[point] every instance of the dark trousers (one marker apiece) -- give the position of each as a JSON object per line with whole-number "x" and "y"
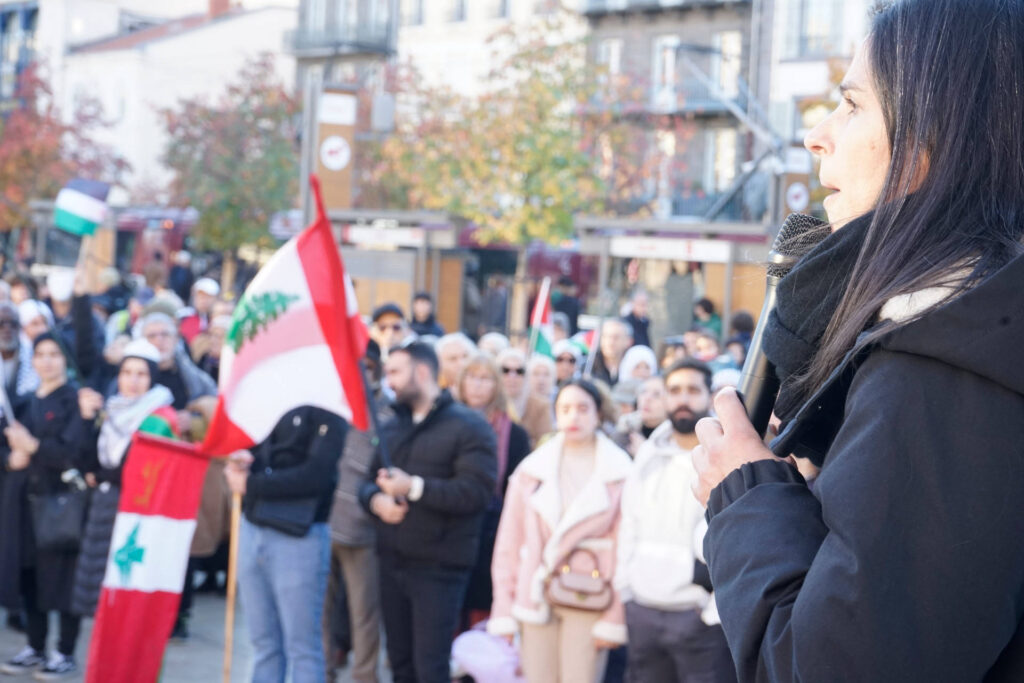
{"x": 675, "y": 646}
{"x": 37, "y": 621}
{"x": 420, "y": 605}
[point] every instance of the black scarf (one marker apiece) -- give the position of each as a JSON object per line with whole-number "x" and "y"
{"x": 808, "y": 297}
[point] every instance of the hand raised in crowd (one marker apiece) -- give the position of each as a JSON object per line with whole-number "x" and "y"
{"x": 388, "y": 509}
{"x": 394, "y": 482}
{"x": 90, "y": 403}
{"x": 81, "y": 285}
{"x": 726, "y": 443}
{"x": 237, "y": 471}
{"x": 21, "y": 439}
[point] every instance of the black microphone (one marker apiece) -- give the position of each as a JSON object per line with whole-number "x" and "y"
{"x": 759, "y": 385}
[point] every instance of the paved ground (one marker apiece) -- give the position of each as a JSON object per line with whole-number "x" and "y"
{"x": 199, "y": 660}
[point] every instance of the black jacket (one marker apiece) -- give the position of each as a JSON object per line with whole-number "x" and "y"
{"x": 453, "y": 449}
{"x": 50, "y": 419}
{"x": 907, "y": 561}
{"x": 298, "y": 460}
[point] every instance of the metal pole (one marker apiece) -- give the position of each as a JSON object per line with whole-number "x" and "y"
{"x": 727, "y": 295}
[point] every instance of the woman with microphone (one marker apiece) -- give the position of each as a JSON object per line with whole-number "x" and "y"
{"x": 897, "y": 339}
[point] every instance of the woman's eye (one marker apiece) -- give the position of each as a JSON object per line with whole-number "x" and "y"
{"x": 850, "y": 103}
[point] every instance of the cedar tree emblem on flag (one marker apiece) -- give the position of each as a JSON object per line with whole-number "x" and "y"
{"x": 295, "y": 339}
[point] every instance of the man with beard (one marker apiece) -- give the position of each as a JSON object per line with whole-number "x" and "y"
{"x": 674, "y": 631}
{"x": 429, "y": 505}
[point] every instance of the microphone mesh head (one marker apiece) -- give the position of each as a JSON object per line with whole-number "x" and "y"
{"x": 798, "y": 235}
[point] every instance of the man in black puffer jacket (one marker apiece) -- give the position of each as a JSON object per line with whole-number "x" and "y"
{"x": 429, "y": 505}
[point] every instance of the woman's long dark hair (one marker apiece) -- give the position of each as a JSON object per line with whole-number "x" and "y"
{"x": 950, "y": 78}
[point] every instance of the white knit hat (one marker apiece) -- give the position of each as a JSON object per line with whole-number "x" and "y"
{"x": 140, "y": 348}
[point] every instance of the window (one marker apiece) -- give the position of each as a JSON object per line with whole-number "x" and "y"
{"x": 663, "y": 72}
{"x": 412, "y": 12}
{"x": 725, "y": 64}
{"x": 496, "y": 9}
{"x": 455, "y": 10}
{"x": 316, "y": 16}
{"x": 609, "y": 55}
{"x": 813, "y": 28}
{"x": 720, "y": 159}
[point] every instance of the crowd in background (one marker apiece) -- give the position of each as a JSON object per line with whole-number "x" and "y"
{"x": 469, "y": 539}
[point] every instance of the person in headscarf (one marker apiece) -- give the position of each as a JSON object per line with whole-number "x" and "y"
{"x": 106, "y": 433}
{"x": 638, "y": 363}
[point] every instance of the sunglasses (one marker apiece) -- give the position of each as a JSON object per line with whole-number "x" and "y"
{"x": 5, "y": 322}
{"x": 509, "y": 371}
{"x": 566, "y": 359}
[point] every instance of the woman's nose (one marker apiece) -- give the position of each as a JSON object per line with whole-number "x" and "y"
{"x": 818, "y": 141}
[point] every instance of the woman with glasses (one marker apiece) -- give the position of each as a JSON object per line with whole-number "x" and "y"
{"x": 532, "y": 412}
{"x": 554, "y": 557}
{"x": 567, "y": 361}
{"x": 480, "y": 387}
{"x": 42, "y": 448}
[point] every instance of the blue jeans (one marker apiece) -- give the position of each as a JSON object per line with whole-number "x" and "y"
{"x": 282, "y": 580}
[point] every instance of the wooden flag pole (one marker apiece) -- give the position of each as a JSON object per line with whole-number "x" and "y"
{"x": 229, "y": 610}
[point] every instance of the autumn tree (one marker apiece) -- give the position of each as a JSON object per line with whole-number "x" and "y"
{"x": 40, "y": 150}
{"x": 552, "y": 137}
{"x": 235, "y": 159}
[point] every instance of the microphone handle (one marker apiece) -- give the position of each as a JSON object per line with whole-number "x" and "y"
{"x": 759, "y": 385}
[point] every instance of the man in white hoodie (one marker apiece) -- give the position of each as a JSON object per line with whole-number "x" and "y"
{"x": 674, "y": 631}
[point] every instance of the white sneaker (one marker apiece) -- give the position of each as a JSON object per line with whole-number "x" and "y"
{"x": 59, "y": 666}
{"x": 26, "y": 660}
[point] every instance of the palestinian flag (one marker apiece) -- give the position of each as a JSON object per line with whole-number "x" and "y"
{"x": 295, "y": 339}
{"x": 542, "y": 334}
{"x": 81, "y": 206}
{"x": 160, "y": 490}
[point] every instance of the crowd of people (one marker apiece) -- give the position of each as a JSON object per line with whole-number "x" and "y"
{"x": 536, "y": 512}
{"x": 84, "y": 369}
{"x": 498, "y": 481}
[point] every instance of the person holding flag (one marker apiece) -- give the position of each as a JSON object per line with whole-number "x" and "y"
{"x": 290, "y": 382}
{"x": 288, "y": 484}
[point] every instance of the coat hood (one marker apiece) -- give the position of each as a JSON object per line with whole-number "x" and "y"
{"x": 978, "y": 331}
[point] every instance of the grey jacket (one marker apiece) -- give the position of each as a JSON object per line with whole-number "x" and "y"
{"x": 350, "y": 524}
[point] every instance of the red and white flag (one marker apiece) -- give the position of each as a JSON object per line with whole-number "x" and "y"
{"x": 542, "y": 332}
{"x": 160, "y": 491}
{"x": 295, "y": 339}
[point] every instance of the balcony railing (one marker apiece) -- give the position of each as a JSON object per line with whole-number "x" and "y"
{"x": 361, "y": 38}
{"x": 608, "y": 6}
{"x": 692, "y": 96}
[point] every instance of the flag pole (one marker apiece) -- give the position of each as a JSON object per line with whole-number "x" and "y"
{"x": 229, "y": 614}
{"x": 538, "y": 313}
{"x": 371, "y": 405}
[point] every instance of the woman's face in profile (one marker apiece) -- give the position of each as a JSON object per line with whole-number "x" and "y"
{"x": 852, "y": 145}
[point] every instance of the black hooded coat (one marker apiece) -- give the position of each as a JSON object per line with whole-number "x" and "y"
{"x": 906, "y": 562}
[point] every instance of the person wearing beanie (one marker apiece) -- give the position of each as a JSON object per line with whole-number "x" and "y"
{"x": 105, "y": 431}
{"x": 196, "y": 319}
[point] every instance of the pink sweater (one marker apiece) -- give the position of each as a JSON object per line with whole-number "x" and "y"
{"x": 535, "y": 535}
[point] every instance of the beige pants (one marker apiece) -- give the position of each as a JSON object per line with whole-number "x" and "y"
{"x": 359, "y": 572}
{"x": 562, "y": 650}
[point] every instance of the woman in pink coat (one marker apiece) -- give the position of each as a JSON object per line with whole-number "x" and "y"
{"x": 561, "y": 515}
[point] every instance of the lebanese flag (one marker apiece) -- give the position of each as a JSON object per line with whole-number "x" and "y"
{"x": 295, "y": 339}
{"x": 160, "y": 489}
{"x": 542, "y": 333}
